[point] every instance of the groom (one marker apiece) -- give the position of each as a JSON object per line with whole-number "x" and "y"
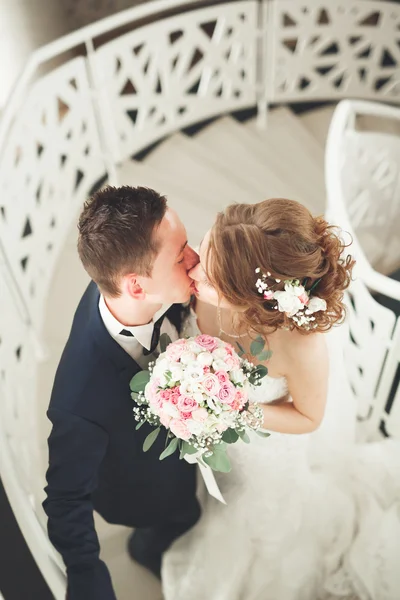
{"x": 135, "y": 250}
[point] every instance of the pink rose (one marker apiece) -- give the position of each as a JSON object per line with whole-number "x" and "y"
{"x": 186, "y": 415}
{"x": 179, "y": 429}
{"x": 156, "y": 403}
{"x": 268, "y": 295}
{"x": 229, "y": 348}
{"x": 222, "y": 376}
{"x": 175, "y": 350}
{"x": 232, "y": 362}
{"x": 165, "y": 419}
{"x": 239, "y": 400}
{"x": 227, "y": 393}
{"x": 206, "y": 370}
{"x": 304, "y": 298}
{"x": 175, "y": 395}
{"x": 200, "y": 415}
{"x": 187, "y": 404}
{"x": 211, "y": 384}
{"x": 207, "y": 342}
{"x": 165, "y": 395}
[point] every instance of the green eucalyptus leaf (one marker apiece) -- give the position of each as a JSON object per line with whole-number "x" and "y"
{"x": 230, "y": 436}
{"x": 139, "y": 381}
{"x": 243, "y": 435}
{"x": 257, "y": 345}
{"x": 170, "y": 449}
{"x": 165, "y": 341}
{"x": 263, "y": 434}
{"x": 257, "y": 374}
{"x": 150, "y": 439}
{"x": 265, "y": 355}
{"x": 218, "y": 461}
{"x": 242, "y": 351}
{"x": 138, "y": 426}
{"x": 188, "y": 448}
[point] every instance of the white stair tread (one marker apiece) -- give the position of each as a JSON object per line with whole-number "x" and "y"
{"x": 191, "y": 205}
{"x": 173, "y": 157}
{"x": 243, "y": 151}
{"x": 317, "y": 122}
{"x": 299, "y": 153}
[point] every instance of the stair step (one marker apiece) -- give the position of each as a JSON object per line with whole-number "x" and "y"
{"x": 188, "y": 202}
{"x": 299, "y": 153}
{"x": 241, "y": 154}
{"x": 317, "y": 122}
{"x": 180, "y": 159}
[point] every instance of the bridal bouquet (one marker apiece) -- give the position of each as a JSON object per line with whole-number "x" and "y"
{"x": 197, "y": 389}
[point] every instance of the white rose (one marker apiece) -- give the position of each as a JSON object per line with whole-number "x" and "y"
{"x": 176, "y": 374}
{"x": 194, "y": 426}
{"x": 171, "y": 410}
{"x": 161, "y": 366}
{"x": 316, "y": 304}
{"x": 188, "y": 357}
{"x": 220, "y": 353}
{"x": 194, "y": 347}
{"x": 194, "y": 373}
{"x": 237, "y": 376}
{"x": 205, "y": 358}
{"x": 198, "y": 396}
{"x": 188, "y": 387}
{"x": 220, "y": 365}
{"x": 213, "y": 404}
{"x": 288, "y": 302}
{"x": 211, "y": 423}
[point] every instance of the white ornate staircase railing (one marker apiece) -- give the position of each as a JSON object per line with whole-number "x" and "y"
{"x": 107, "y": 94}
{"x": 363, "y": 193}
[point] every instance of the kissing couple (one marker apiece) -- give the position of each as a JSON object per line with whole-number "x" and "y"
{"x": 298, "y": 502}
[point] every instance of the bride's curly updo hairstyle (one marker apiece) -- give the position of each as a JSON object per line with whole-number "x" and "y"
{"x": 283, "y": 240}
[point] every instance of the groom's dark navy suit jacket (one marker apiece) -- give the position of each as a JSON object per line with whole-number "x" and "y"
{"x": 95, "y": 454}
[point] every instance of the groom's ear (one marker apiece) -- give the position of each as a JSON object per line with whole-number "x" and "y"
{"x": 131, "y": 285}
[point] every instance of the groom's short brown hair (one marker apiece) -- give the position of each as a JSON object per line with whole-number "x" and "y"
{"x": 116, "y": 238}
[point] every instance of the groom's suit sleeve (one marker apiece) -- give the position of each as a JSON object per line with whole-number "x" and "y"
{"x": 76, "y": 450}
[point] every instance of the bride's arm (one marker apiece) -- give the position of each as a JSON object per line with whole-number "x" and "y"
{"x": 307, "y": 377}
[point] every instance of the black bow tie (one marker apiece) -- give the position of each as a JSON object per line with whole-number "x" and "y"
{"x": 155, "y": 338}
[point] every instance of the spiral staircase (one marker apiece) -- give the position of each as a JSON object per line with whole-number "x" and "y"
{"x": 205, "y": 103}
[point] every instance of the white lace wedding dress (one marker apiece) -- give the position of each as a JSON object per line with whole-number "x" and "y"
{"x": 308, "y": 517}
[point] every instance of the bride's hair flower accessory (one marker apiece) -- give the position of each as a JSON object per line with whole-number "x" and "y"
{"x": 295, "y": 301}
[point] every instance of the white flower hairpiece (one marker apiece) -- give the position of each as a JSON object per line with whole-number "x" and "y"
{"x": 295, "y": 301}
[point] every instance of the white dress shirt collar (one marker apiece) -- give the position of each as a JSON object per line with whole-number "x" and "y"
{"x": 141, "y": 333}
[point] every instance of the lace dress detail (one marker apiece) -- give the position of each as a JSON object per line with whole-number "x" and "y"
{"x": 308, "y": 517}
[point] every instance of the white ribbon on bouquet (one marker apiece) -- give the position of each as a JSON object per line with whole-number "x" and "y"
{"x": 207, "y": 474}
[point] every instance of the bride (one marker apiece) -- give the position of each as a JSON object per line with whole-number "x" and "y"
{"x": 311, "y": 516}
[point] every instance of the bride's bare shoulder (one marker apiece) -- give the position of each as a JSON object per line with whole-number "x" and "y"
{"x": 295, "y": 344}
